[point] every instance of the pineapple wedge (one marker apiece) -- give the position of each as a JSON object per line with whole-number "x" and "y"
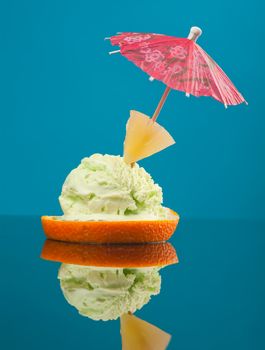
{"x": 141, "y": 335}
{"x": 144, "y": 138}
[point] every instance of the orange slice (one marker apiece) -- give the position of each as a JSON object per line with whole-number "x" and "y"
{"x": 110, "y": 231}
{"x": 139, "y": 334}
{"x": 124, "y": 256}
{"x": 144, "y": 138}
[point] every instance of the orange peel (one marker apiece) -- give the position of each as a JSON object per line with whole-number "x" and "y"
{"x": 137, "y": 231}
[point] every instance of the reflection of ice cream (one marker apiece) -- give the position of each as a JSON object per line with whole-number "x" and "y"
{"x": 104, "y": 187}
{"x": 108, "y": 293}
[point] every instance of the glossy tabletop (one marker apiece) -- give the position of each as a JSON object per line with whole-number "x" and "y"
{"x": 214, "y": 298}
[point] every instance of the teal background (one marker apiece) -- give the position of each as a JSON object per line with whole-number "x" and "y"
{"x": 63, "y": 98}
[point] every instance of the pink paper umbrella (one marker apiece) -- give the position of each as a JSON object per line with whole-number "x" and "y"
{"x": 180, "y": 63}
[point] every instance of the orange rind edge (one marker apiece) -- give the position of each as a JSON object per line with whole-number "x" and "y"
{"x": 104, "y": 232}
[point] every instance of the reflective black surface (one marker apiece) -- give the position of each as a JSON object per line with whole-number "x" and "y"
{"x": 213, "y": 299}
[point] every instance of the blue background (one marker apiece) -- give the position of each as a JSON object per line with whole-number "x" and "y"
{"x": 63, "y": 98}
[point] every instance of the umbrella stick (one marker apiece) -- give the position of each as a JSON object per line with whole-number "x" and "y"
{"x": 161, "y": 103}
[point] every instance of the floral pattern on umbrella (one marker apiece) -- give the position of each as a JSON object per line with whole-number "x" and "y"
{"x": 180, "y": 63}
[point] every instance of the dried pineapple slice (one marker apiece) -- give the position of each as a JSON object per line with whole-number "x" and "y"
{"x": 141, "y": 335}
{"x": 144, "y": 138}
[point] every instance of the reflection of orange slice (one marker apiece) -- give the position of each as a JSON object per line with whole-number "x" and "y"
{"x": 133, "y": 255}
{"x": 110, "y": 231}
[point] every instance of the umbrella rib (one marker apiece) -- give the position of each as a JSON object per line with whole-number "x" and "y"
{"x": 215, "y": 78}
{"x": 234, "y": 94}
{"x": 188, "y": 74}
{"x": 115, "y": 51}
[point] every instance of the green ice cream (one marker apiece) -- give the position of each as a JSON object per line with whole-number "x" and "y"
{"x": 104, "y": 187}
{"x": 107, "y": 293}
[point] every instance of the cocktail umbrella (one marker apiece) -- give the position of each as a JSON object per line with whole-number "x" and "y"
{"x": 182, "y": 65}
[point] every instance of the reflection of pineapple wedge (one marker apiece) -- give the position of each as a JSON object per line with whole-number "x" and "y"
{"x": 141, "y": 335}
{"x": 144, "y": 137}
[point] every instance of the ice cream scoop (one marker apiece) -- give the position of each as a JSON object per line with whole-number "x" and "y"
{"x": 104, "y": 187}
